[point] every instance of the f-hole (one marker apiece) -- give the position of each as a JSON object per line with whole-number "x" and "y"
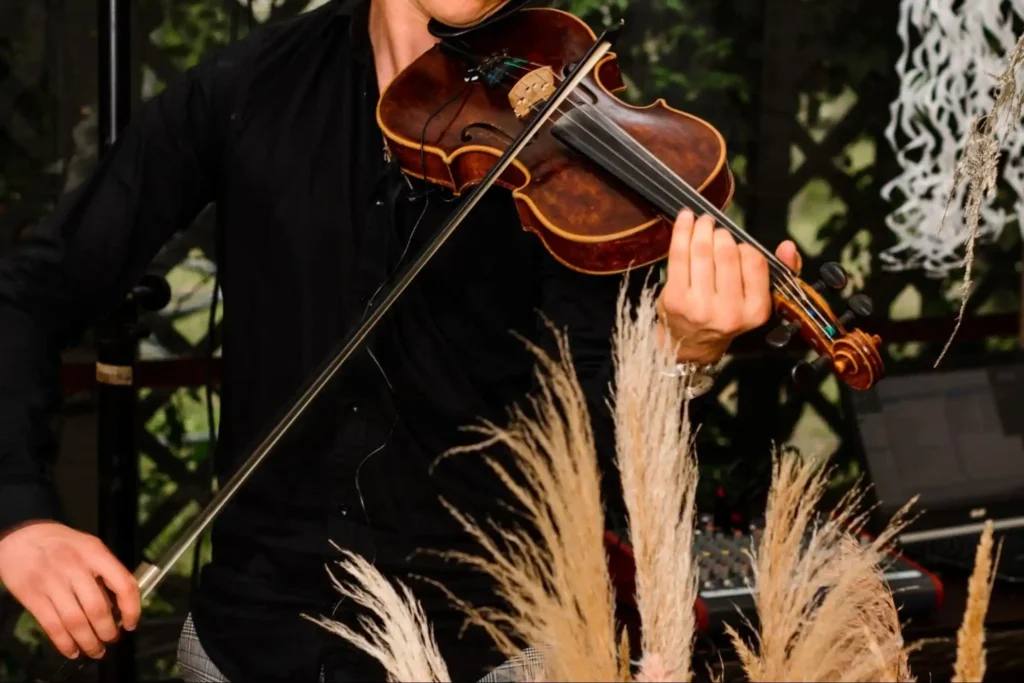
{"x": 467, "y": 134}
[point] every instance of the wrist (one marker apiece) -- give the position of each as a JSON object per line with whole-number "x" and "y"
{"x": 698, "y": 378}
{"x": 698, "y": 354}
{"x": 11, "y": 530}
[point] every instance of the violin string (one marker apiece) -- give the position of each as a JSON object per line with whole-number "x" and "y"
{"x": 786, "y": 281}
{"x": 726, "y": 222}
{"x": 700, "y": 199}
{"x": 783, "y": 281}
{"x": 617, "y": 130}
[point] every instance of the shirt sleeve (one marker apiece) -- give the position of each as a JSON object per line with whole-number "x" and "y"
{"x": 81, "y": 261}
{"x": 584, "y": 307}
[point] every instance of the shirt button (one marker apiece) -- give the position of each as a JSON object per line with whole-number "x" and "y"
{"x": 355, "y": 409}
{"x": 379, "y": 202}
{"x": 343, "y": 510}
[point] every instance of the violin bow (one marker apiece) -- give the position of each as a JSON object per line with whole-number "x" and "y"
{"x": 150, "y": 575}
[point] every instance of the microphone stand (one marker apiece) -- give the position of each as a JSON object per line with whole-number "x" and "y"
{"x": 117, "y": 402}
{"x": 117, "y": 346}
{"x": 150, "y": 575}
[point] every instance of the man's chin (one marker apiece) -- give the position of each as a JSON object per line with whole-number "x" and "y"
{"x": 463, "y": 22}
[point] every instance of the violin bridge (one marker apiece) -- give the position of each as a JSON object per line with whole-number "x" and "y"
{"x": 533, "y": 88}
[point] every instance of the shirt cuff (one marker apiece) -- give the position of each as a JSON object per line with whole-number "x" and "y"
{"x": 27, "y": 502}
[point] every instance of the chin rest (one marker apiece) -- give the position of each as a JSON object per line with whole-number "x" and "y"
{"x": 443, "y": 31}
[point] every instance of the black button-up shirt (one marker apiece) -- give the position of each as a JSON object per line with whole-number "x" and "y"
{"x": 279, "y": 132}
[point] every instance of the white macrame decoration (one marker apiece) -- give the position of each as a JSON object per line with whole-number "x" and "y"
{"x": 953, "y": 52}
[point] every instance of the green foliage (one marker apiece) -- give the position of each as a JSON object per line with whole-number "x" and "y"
{"x": 668, "y": 48}
{"x": 190, "y": 30}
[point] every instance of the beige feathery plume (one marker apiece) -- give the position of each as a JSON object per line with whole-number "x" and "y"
{"x": 979, "y": 164}
{"x": 970, "y": 652}
{"x": 625, "y": 674}
{"x": 553, "y": 576}
{"x": 398, "y": 635}
{"x": 824, "y": 610}
{"x": 659, "y": 484}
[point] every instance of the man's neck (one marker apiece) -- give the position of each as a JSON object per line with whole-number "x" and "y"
{"x": 398, "y": 33}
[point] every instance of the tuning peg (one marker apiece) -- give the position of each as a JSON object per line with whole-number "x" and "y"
{"x": 782, "y": 335}
{"x": 833, "y": 276}
{"x": 860, "y": 305}
{"x": 808, "y": 375}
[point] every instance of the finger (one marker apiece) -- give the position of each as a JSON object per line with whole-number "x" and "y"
{"x": 95, "y": 604}
{"x": 790, "y": 255}
{"x": 73, "y": 617}
{"x": 702, "y": 257}
{"x": 120, "y": 582}
{"x": 679, "y": 251}
{"x": 728, "y": 278}
{"x": 40, "y": 607}
{"x": 757, "y": 301}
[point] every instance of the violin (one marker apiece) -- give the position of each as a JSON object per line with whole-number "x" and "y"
{"x": 601, "y": 181}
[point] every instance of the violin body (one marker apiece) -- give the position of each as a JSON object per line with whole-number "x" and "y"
{"x": 601, "y": 181}
{"x": 450, "y": 132}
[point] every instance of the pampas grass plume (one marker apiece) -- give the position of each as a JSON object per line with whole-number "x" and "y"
{"x": 970, "y": 652}
{"x": 824, "y": 610}
{"x": 659, "y": 484}
{"x": 554, "y": 575}
{"x": 398, "y": 635}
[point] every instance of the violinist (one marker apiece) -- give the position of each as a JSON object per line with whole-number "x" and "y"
{"x": 279, "y": 133}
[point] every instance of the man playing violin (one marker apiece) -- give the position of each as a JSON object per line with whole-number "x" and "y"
{"x": 279, "y": 133}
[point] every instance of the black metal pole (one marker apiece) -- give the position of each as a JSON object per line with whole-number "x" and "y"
{"x": 117, "y": 347}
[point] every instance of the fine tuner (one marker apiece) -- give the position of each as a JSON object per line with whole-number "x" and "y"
{"x": 807, "y": 375}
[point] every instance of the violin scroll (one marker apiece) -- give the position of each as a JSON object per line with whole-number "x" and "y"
{"x": 850, "y": 353}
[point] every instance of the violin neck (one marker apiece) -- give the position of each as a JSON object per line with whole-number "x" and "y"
{"x": 587, "y": 131}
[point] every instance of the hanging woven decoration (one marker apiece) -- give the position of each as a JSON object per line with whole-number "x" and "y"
{"x": 956, "y": 112}
{"x": 823, "y": 609}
